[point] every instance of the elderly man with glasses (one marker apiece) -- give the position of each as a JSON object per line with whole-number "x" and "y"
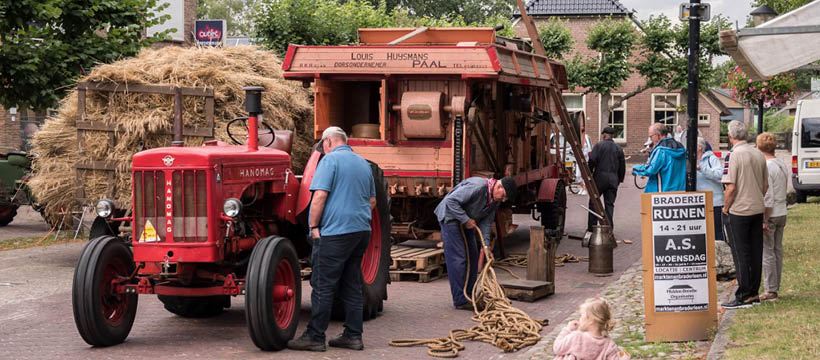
{"x": 666, "y": 167}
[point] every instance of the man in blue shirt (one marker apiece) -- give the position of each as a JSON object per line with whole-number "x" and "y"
{"x": 471, "y": 204}
{"x": 344, "y": 194}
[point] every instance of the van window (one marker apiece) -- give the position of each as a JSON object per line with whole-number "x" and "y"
{"x": 810, "y": 133}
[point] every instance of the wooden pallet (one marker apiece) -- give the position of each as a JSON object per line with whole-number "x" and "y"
{"x": 424, "y": 276}
{"x": 419, "y": 259}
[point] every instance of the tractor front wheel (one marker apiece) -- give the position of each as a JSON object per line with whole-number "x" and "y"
{"x": 273, "y": 293}
{"x": 103, "y": 316}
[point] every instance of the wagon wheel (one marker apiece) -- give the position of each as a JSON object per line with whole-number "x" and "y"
{"x": 103, "y": 317}
{"x": 273, "y": 293}
{"x": 376, "y": 260}
{"x": 237, "y": 130}
{"x": 554, "y": 214}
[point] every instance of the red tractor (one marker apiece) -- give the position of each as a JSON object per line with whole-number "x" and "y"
{"x": 211, "y": 222}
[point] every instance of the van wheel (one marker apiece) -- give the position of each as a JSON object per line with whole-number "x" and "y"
{"x": 802, "y": 197}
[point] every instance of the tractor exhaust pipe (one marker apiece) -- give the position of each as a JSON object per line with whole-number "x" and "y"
{"x": 253, "y": 105}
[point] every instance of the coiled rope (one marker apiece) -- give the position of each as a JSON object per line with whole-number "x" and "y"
{"x": 498, "y": 322}
{"x": 520, "y": 260}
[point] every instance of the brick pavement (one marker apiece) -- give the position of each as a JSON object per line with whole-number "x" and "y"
{"x": 36, "y": 317}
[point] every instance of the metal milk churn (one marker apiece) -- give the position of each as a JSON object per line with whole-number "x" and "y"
{"x": 601, "y": 244}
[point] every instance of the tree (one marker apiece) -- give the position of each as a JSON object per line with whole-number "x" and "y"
{"x": 328, "y": 22}
{"x": 781, "y": 6}
{"x": 46, "y": 44}
{"x": 556, "y": 38}
{"x": 473, "y": 11}
{"x": 665, "y": 49}
{"x": 314, "y": 22}
{"x": 612, "y": 40}
{"x": 237, "y": 14}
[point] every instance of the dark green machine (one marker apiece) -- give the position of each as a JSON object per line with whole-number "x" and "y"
{"x": 14, "y": 168}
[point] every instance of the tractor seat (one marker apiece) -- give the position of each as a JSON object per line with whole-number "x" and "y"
{"x": 283, "y": 140}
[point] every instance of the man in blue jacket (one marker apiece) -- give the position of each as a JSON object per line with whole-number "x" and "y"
{"x": 471, "y": 204}
{"x": 666, "y": 167}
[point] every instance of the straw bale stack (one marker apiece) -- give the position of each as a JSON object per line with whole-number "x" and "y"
{"x": 147, "y": 119}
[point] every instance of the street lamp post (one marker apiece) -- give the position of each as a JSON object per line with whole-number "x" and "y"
{"x": 692, "y": 98}
{"x": 759, "y": 16}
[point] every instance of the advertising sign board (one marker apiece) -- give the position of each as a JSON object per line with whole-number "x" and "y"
{"x": 679, "y": 268}
{"x": 210, "y": 32}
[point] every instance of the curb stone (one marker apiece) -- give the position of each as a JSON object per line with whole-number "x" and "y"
{"x": 722, "y": 336}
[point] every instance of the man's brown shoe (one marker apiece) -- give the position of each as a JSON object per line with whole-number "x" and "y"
{"x": 768, "y": 296}
{"x": 347, "y": 343}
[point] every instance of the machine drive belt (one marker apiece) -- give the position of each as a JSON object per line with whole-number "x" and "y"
{"x": 458, "y": 145}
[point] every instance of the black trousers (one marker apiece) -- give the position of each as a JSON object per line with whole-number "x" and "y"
{"x": 337, "y": 269}
{"x": 746, "y": 240}
{"x": 609, "y": 193}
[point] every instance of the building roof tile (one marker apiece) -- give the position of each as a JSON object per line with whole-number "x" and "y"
{"x": 574, "y": 7}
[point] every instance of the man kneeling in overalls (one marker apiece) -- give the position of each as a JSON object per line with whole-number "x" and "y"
{"x": 472, "y": 203}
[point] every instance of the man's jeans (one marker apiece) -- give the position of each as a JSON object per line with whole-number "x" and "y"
{"x": 336, "y": 262}
{"x": 456, "y": 255}
{"x": 746, "y": 239}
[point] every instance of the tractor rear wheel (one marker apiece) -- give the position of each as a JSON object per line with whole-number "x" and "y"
{"x": 376, "y": 260}
{"x": 554, "y": 214}
{"x": 102, "y": 316}
{"x": 7, "y": 215}
{"x": 273, "y": 293}
{"x": 196, "y": 306}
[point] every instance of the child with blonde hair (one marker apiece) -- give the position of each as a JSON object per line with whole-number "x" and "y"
{"x": 588, "y": 338}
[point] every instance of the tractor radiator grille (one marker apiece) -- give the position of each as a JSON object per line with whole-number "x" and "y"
{"x": 177, "y": 206}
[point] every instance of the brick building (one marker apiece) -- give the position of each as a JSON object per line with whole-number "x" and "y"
{"x": 633, "y": 118}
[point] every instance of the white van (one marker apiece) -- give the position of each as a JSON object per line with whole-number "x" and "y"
{"x": 806, "y": 149}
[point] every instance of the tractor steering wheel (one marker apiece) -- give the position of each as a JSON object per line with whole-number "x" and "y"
{"x": 240, "y": 130}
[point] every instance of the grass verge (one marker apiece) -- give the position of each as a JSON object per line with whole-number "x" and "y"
{"x": 788, "y": 328}
{"x": 32, "y": 241}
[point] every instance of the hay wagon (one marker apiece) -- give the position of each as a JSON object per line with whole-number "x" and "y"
{"x": 434, "y": 106}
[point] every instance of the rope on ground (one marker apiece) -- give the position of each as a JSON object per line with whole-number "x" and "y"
{"x": 498, "y": 323}
{"x": 520, "y": 260}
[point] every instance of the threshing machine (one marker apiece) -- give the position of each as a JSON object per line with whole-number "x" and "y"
{"x": 432, "y": 106}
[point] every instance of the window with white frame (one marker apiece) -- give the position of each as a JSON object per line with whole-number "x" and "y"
{"x": 574, "y": 102}
{"x": 617, "y": 117}
{"x": 664, "y": 109}
{"x": 703, "y": 119}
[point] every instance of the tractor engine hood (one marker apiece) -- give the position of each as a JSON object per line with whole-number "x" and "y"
{"x": 208, "y": 155}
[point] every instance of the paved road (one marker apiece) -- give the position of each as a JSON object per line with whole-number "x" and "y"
{"x": 36, "y": 317}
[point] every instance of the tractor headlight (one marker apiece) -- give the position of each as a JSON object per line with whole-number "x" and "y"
{"x": 232, "y": 207}
{"x": 105, "y": 208}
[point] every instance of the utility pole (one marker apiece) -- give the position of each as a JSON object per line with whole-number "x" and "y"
{"x": 760, "y": 116}
{"x": 693, "y": 94}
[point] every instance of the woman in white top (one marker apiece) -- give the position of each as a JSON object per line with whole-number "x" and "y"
{"x": 774, "y": 217}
